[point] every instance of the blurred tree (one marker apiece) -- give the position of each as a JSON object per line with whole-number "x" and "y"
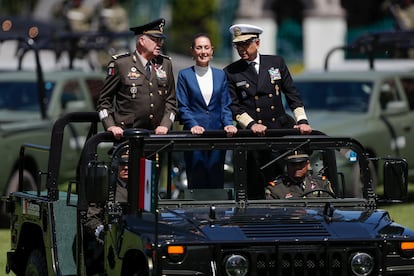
{"x": 189, "y": 18}
{"x": 17, "y": 7}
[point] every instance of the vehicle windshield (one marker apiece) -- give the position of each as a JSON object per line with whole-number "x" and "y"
{"x": 217, "y": 169}
{"x": 335, "y": 95}
{"x": 22, "y": 96}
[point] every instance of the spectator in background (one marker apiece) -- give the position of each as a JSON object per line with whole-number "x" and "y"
{"x": 113, "y": 21}
{"x": 204, "y": 104}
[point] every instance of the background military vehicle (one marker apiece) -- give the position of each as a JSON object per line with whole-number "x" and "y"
{"x": 209, "y": 231}
{"x": 30, "y": 102}
{"x": 373, "y": 104}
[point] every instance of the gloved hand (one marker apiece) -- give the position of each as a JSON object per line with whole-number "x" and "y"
{"x": 99, "y": 234}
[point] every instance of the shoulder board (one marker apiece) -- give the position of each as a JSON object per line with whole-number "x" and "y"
{"x": 165, "y": 56}
{"x": 160, "y": 57}
{"x": 278, "y": 180}
{"x": 126, "y": 54}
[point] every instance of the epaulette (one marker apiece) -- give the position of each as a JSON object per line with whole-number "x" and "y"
{"x": 126, "y": 54}
{"x": 160, "y": 57}
{"x": 165, "y": 56}
{"x": 278, "y": 180}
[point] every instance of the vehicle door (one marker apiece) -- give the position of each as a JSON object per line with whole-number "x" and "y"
{"x": 398, "y": 116}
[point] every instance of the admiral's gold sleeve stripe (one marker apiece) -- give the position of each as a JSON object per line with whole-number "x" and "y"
{"x": 300, "y": 114}
{"x": 244, "y": 119}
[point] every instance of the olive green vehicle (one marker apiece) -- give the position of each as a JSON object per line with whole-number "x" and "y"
{"x": 22, "y": 121}
{"x": 374, "y": 106}
{"x": 30, "y": 102}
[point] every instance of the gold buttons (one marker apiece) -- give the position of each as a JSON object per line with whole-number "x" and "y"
{"x": 259, "y": 121}
{"x": 270, "y": 95}
{"x": 256, "y": 97}
{"x": 258, "y": 109}
{"x": 151, "y": 116}
{"x": 272, "y": 107}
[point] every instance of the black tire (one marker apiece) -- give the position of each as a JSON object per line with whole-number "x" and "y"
{"x": 29, "y": 183}
{"x": 36, "y": 264}
{"x": 134, "y": 265}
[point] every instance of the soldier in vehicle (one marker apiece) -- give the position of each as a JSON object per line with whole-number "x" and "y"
{"x": 94, "y": 223}
{"x": 298, "y": 180}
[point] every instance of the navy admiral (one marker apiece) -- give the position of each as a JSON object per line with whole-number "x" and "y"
{"x": 142, "y": 84}
{"x": 256, "y": 83}
{"x": 298, "y": 180}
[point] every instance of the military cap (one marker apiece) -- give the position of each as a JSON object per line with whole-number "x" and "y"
{"x": 154, "y": 28}
{"x": 297, "y": 157}
{"x": 243, "y": 32}
{"x": 124, "y": 156}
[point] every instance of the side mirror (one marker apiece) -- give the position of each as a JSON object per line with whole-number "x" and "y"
{"x": 395, "y": 179}
{"x": 97, "y": 183}
{"x": 396, "y": 107}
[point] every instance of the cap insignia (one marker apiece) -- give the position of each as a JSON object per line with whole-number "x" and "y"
{"x": 237, "y": 31}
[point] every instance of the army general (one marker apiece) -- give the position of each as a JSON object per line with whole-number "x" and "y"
{"x": 142, "y": 84}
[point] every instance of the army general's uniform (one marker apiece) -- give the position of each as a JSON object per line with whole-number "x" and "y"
{"x": 141, "y": 101}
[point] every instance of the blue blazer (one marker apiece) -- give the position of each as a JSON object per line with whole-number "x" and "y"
{"x": 192, "y": 108}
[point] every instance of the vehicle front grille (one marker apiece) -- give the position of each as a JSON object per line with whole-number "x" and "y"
{"x": 307, "y": 259}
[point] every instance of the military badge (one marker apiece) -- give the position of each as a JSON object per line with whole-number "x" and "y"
{"x": 288, "y": 195}
{"x": 133, "y": 75}
{"x": 274, "y": 74}
{"x": 237, "y": 31}
{"x": 133, "y": 90}
{"x": 241, "y": 83}
{"x": 160, "y": 72}
{"x": 111, "y": 69}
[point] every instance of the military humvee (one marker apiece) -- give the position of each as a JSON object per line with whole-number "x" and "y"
{"x": 209, "y": 231}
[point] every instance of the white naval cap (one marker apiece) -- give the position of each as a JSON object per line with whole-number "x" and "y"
{"x": 243, "y": 32}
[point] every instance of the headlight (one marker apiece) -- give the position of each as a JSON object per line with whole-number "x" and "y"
{"x": 236, "y": 265}
{"x": 362, "y": 264}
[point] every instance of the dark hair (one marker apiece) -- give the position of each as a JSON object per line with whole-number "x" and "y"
{"x": 197, "y": 36}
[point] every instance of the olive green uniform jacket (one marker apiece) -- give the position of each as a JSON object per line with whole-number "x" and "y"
{"x": 140, "y": 101}
{"x": 283, "y": 187}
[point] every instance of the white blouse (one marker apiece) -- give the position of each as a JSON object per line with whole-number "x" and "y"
{"x": 205, "y": 81}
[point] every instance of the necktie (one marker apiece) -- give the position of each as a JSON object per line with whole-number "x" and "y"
{"x": 148, "y": 69}
{"x": 253, "y": 66}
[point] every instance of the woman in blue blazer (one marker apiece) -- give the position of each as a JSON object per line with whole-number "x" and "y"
{"x": 204, "y": 104}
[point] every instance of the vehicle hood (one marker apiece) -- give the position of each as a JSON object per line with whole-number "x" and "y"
{"x": 271, "y": 224}
{"x": 14, "y": 122}
{"x": 8, "y": 116}
{"x": 337, "y": 123}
